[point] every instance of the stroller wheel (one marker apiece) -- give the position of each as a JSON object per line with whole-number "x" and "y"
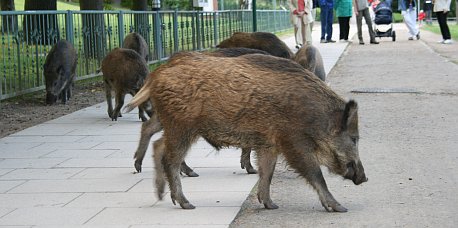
{"x": 393, "y": 35}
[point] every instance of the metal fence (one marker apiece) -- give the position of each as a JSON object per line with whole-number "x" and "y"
{"x": 27, "y": 36}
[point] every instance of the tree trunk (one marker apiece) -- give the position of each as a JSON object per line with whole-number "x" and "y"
{"x": 9, "y": 23}
{"x": 141, "y": 23}
{"x": 41, "y": 28}
{"x": 93, "y": 30}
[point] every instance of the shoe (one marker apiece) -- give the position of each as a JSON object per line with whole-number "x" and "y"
{"x": 348, "y": 41}
{"x": 448, "y": 41}
{"x": 410, "y": 38}
{"x": 361, "y": 42}
{"x": 323, "y": 41}
{"x": 440, "y": 41}
{"x": 418, "y": 35}
{"x": 330, "y": 41}
{"x": 374, "y": 42}
{"x": 342, "y": 41}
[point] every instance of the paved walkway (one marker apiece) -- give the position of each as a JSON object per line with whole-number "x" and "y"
{"x": 78, "y": 170}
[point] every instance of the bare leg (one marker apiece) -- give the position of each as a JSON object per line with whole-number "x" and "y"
{"x": 266, "y": 165}
{"x": 245, "y": 161}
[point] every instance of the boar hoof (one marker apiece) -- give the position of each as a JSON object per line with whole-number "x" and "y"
{"x": 270, "y": 205}
{"x": 335, "y": 208}
{"x": 144, "y": 119}
{"x": 192, "y": 174}
{"x": 187, "y": 206}
{"x": 138, "y": 166}
{"x": 251, "y": 170}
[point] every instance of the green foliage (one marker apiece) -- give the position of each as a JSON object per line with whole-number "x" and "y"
{"x": 176, "y": 4}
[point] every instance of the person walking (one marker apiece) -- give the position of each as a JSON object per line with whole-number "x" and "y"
{"x": 302, "y": 11}
{"x": 361, "y": 8}
{"x": 326, "y": 17}
{"x": 409, "y": 13}
{"x": 343, "y": 11}
{"x": 441, "y": 8}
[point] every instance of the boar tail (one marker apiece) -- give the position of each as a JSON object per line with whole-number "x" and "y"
{"x": 139, "y": 98}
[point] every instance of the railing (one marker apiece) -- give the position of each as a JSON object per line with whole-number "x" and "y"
{"x": 27, "y": 37}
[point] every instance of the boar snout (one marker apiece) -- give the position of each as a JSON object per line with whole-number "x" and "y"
{"x": 355, "y": 172}
{"x": 50, "y": 98}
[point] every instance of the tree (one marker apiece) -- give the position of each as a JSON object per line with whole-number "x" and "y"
{"x": 9, "y": 22}
{"x": 41, "y": 28}
{"x": 141, "y": 22}
{"x": 93, "y": 29}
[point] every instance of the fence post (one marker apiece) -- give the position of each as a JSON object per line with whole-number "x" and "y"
{"x": 175, "y": 30}
{"x": 255, "y": 23}
{"x": 121, "y": 27}
{"x": 199, "y": 46}
{"x": 69, "y": 28}
{"x": 158, "y": 35}
{"x": 215, "y": 28}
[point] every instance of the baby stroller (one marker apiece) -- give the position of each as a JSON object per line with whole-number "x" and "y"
{"x": 384, "y": 16}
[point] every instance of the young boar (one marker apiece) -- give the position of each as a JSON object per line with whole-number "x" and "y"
{"x": 265, "y": 41}
{"x": 152, "y": 126}
{"x": 136, "y": 42}
{"x": 59, "y": 72}
{"x": 310, "y": 58}
{"x": 269, "y": 104}
{"x": 124, "y": 71}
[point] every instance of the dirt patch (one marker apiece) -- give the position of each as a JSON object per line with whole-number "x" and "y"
{"x": 29, "y": 110}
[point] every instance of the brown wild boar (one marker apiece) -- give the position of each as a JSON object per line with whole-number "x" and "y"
{"x": 124, "y": 71}
{"x": 136, "y": 42}
{"x": 152, "y": 126}
{"x": 270, "y": 104}
{"x": 310, "y": 58}
{"x": 265, "y": 41}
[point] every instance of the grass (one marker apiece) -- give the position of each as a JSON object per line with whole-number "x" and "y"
{"x": 435, "y": 28}
{"x": 61, "y": 5}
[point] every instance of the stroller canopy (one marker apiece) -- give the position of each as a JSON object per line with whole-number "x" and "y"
{"x": 383, "y": 13}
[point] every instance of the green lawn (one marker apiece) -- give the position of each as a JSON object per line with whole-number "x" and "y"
{"x": 435, "y": 28}
{"x": 61, "y": 5}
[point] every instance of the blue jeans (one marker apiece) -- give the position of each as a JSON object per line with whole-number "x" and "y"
{"x": 327, "y": 18}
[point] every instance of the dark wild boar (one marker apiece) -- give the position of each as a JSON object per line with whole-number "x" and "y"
{"x": 270, "y": 104}
{"x": 59, "y": 72}
{"x": 152, "y": 126}
{"x": 124, "y": 71}
{"x": 310, "y": 58}
{"x": 265, "y": 41}
{"x": 136, "y": 42}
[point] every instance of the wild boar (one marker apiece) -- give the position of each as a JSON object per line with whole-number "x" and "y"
{"x": 124, "y": 71}
{"x": 59, "y": 72}
{"x": 136, "y": 42}
{"x": 265, "y": 41}
{"x": 152, "y": 126}
{"x": 270, "y": 104}
{"x": 310, "y": 58}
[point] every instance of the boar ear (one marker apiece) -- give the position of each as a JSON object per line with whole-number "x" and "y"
{"x": 350, "y": 115}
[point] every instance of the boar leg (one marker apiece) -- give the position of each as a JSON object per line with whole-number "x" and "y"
{"x": 245, "y": 161}
{"x": 119, "y": 103}
{"x": 266, "y": 165}
{"x": 174, "y": 153}
{"x": 108, "y": 96}
{"x": 141, "y": 112}
{"x": 158, "y": 155}
{"x": 307, "y": 165}
{"x": 149, "y": 128}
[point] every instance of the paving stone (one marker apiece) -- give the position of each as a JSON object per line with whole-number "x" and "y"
{"x": 124, "y": 200}
{"x": 31, "y": 163}
{"x": 155, "y": 216}
{"x": 6, "y": 185}
{"x": 89, "y": 153}
{"x": 5, "y": 171}
{"x": 10, "y": 200}
{"x": 94, "y": 163}
{"x": 49, "y": 216}
{"x": 113, "y": 173}
{"x": 42, "y": 174}
{"x": 43, "y": 138}
{"x": 78, "y": 185}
